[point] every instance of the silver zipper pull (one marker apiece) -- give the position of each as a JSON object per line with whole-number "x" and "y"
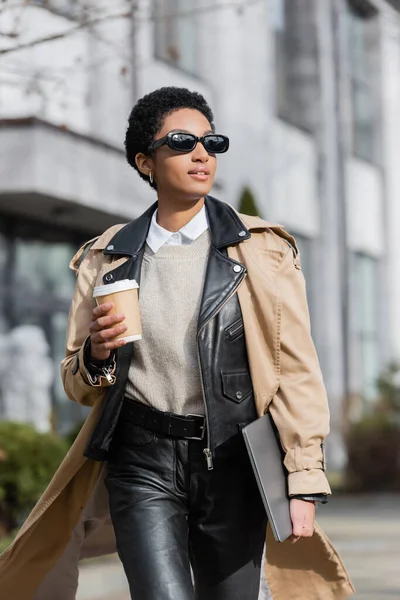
{"x": 107, "y": 374}
{"x": 209, "y": 459}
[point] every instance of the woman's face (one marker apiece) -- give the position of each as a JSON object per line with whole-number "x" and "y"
{"x": 189, "y": 175}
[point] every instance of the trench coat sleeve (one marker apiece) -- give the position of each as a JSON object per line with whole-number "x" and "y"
{"x": 78, "y": 384}
{"x": 300, "y": 407}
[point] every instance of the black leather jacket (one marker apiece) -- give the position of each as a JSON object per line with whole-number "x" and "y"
{"x": 223, "y": 362}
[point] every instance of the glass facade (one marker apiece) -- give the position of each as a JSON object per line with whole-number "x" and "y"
{"x": 296, "y": 61}
{"x": 364, "y": 322}
{"x": 364, "y": 64}
{"x": 37, "y": 287}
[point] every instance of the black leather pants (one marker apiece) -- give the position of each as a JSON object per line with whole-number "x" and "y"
{"x": 170, "y": 512}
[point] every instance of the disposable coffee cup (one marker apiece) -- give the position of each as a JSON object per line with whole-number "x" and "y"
{"x": 124, "y": 295}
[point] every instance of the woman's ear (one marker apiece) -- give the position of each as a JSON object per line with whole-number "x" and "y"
{"x": 144, "y": 164}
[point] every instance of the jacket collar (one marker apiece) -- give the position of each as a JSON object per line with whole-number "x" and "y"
{"x": 226, "y": 229}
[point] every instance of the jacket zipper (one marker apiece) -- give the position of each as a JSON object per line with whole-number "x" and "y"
{"x": 207, "y": 451}
{"x": 105, "y": 372}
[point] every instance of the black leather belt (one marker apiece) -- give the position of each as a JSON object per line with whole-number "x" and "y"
{"x": 189, "y": 427}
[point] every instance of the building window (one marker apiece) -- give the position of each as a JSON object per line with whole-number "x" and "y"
{"x": 364, "y": 54}
{"x": 36, "y": 291}
{"x": 364, "y": 321}
{"x": 296, "y": 56}
{"x": 176, "y": 33}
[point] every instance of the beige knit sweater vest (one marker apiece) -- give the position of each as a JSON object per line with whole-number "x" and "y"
{"x": 165, "y": 372}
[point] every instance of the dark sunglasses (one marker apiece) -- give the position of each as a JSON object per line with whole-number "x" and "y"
{"x": 186, "y": 142}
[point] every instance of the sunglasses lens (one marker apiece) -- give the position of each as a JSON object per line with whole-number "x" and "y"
{"x": 183, "y": 142}
{"x": 216, "y": 144}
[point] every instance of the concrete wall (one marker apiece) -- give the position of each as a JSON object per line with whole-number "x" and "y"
{"x": 71, "y": 169}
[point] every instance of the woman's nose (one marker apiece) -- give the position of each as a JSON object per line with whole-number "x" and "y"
{"x": 200, "y": 153}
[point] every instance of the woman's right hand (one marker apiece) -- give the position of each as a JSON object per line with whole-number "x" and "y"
{"x": 103, "y": 330}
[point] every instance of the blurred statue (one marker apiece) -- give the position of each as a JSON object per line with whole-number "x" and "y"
{"x": 26, "y": 376}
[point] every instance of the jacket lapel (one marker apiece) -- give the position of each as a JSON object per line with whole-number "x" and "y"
{"x": 129, "y": 240}
{"x": 223, "y": 275}
{"x": 130, "y": 269}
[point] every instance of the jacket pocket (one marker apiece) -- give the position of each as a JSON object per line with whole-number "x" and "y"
{"x": 237, "y": 386}
{"x": 235, "y": 330}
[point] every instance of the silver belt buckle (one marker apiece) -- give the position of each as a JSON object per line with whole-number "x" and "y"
{"x": 202, "y": 427}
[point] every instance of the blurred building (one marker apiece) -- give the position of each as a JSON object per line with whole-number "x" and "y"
{"x": 307, "y": 90}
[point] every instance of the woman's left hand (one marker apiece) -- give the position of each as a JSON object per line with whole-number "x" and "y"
{"x": 302, "y": 514}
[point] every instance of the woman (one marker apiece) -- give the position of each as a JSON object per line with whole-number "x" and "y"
{"x": 225, "y": 337}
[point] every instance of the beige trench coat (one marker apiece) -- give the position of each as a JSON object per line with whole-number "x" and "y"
{"x": 286, "y": 379}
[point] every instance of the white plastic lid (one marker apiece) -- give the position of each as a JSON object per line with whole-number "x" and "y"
{"x": 112, "y": 288}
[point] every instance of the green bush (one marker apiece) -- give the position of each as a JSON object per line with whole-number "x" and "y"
{"x": 28, "y": 461}
{"x": 373, "y": 446}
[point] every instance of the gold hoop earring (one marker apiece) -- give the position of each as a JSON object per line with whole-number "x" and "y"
{"x": 151, "y": 177}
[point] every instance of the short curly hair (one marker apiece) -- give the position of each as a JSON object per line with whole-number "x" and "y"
{"x": 148, "y": 114}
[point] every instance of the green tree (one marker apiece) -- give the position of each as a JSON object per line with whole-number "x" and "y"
{"x": 247, "y": 204}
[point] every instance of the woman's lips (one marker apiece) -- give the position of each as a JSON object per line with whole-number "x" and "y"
{"x": 200, "y": 174}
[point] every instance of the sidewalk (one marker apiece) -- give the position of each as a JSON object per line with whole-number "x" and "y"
{"x": 102, "y": 579}
{"x": 365, "y": 530}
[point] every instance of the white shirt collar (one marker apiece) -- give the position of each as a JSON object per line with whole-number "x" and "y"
{"x": 158, "y": 236}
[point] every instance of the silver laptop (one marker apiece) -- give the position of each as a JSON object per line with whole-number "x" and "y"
{"x": 266, "y": 457}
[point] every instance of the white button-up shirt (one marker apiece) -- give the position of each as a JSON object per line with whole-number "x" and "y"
{"x": 158, "y": 236}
